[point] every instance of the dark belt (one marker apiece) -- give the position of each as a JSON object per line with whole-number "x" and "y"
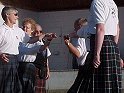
{"x": 104, "y": 35}
{"x": 11, "y": 55}
{"x": 25, "y": 62}
{"x": 92, "y": 36}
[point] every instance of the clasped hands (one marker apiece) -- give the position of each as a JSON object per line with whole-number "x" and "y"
{"x": 48, "y": 36}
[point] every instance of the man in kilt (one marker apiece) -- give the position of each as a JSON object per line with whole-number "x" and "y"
{"x": 10, "y": 37}
{"x": 104, "y": 74}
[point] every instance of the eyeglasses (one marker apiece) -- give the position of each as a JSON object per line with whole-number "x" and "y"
{"x": 39, "y": 31}
{"x": 16, "y": 14}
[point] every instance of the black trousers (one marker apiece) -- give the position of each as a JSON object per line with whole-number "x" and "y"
{"x": 84, "y": 73}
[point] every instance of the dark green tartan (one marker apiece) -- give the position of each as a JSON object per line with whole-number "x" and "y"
{"x": 107, "y": 78}
{"x": 9, "y": 79}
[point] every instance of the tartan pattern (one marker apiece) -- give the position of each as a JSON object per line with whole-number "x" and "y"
{"x": 27, "y": 76}
{"x": 40, "y": 84}
{"x": 31, "y": 83}
{"x": 9, "y": 80}
{"x": 107, "y": 78}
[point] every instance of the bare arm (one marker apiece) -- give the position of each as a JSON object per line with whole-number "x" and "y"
{"x": 48, "y": 70}
{"x": 117, "y": 36}
{"x": 98, "y": 43}
{"x": 72, "y": 49}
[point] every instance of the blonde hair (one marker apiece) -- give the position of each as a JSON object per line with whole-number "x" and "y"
{"x": 81, "y": 21}
{"x": 31, "y": 21}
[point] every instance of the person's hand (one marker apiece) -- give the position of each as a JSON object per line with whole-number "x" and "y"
{"x": 48, "y": 75}
{"x": 54, "y": 35}
{"x": 50, "y": 36}
{"x": 121, "y": 63}
{"x": 4, "y": 57}
{"x": 41, "y": 36}
{"x": 96, "y": 61}
{"x": 66, "y": 37}
{"x": 67, "y": 42}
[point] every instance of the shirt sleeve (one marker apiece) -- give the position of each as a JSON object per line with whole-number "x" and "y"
{"x": 48, "y": 52}
{"x": 83, "y": 52}
{"x": 1, "y": 37}
{"x": 23, "y": 36}
{"x": 24, "y": 49}
{"x": 81, "y": 46}
{"x": 98, "y": 11}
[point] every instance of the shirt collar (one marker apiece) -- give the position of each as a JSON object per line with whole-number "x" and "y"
{"x": 7, "y": 27}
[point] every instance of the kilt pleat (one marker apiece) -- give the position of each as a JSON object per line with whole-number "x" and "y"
{"x": 107, "y": 78}
{"x": 27, "y": 76}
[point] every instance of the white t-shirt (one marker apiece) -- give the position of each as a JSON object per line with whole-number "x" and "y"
{"x": 10, "y": 38}
{"x": 81, "y": 46}
{"x": 106, "y": 12}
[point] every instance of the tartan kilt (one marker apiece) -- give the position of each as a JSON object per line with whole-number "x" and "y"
{"x": 107, "y": 78}
{"x": 40, "y": 84}
{"x": 9, "y": 79}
